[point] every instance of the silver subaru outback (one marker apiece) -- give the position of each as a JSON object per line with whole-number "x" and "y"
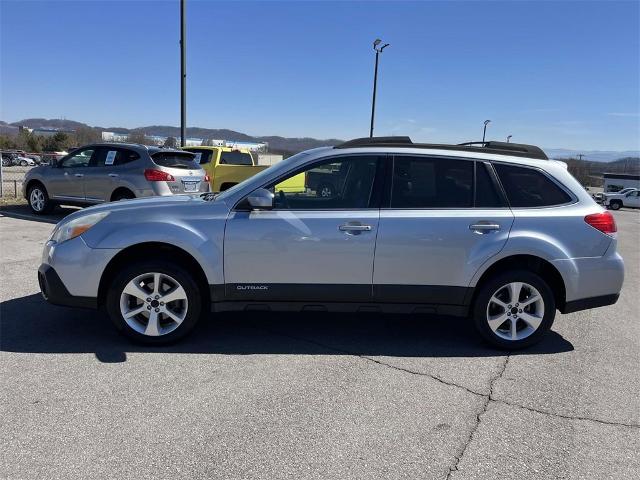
{"x": 108, "y": 172}
{"x": 495, "y": 232}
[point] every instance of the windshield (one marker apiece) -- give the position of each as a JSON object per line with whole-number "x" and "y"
{"x": 280, "y": 167}
{"x": 235, "y": 157}
{"x": 175, "y": 160}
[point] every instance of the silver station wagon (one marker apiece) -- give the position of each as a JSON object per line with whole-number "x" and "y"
{"x": 495, "y": 232}
{"x": 107, "y": 172}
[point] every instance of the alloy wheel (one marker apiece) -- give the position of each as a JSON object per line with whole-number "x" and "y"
{"x": 36, "y": 199}
{"x": 515, "y": 311}
{"x": 153, "y": 304}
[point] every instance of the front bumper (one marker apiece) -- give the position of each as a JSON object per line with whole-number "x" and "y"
{"x": 54, "y": 291}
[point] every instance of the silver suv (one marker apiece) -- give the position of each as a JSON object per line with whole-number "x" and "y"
{"x": 107, "y": 172}
{"x": 494, "y": 231}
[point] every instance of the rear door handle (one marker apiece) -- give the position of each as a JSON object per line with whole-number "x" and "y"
{"x": 114, "y": 175}
{"x": 79, "y": 175}
{"x": 484, "y": 227}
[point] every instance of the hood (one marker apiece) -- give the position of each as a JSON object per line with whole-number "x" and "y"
{"x": 138, "y": 204}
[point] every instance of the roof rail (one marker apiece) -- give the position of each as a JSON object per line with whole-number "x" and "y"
{"x": 496, "y": 148}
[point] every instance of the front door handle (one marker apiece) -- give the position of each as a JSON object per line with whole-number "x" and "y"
{"x": 114, "y": 175}
{"x": 354, "y": 229}
{"x": 79, "y": 175}
{"x": 484, "y": 227}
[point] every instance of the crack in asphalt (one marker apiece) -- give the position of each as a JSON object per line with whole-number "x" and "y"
{"x": 488, "y": 397}
{"x": 483, "y": 410}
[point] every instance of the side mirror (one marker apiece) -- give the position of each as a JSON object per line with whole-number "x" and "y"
{"x": 261, "y": 199}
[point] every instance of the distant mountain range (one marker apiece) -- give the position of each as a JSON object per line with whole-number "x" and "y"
{"x": 276, "y": 143}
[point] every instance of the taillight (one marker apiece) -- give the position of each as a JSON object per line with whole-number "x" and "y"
{"x": 207, "y": 178}
{"x": 158, "y": 176}
{"x": 603, "y": 221}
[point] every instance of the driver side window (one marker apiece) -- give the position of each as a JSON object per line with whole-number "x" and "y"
{"x": 77, "y": 159}
{"x": 339, "y": 183}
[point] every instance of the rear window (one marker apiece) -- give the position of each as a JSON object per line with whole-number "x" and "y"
{"x": 201, "y": 156}
{"x": 526, "y": 187}
{"x": 422, "y": 182}
{"x": 113, "y": 156}
{"x": 175, "y": 160}
{"x": 235, "y": 158}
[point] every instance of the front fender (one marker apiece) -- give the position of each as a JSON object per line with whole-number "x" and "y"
{"x": 203, "y": 244}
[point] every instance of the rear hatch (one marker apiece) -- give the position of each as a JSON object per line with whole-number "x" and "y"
{"x": 189, "y": 177}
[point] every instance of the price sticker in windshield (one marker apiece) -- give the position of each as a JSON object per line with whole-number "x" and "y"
{"x": 197, "y": 157}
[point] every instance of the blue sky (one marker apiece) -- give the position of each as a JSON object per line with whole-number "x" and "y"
{"x": 557, "y": 74}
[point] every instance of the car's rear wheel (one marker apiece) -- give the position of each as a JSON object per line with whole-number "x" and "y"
{"x": 514, "y": 309}
{"x": 154, "y": 302}
{"x": 24, "y": 163}
{"x": 615, "y": 205}
{"x": 122, "y": 195}
{"x": 39, "y": 199}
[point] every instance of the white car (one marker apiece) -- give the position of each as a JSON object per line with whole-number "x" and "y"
{"x": 24, "y": 161}
{"x": 625, "y": 198}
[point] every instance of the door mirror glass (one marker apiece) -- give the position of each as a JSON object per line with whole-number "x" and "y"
{"x": 261, "y": 199}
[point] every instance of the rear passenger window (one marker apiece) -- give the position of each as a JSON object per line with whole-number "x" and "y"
{"x": 420, "y": 182}
{"x": 486, "y": 194}
{"x": 526, "y": 187}
{"x": 119, "y": 157}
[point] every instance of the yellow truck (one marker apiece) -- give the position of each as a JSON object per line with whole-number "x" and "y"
{"x": 227, "y": 166}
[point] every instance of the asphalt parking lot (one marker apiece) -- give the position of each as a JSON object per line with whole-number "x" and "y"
{"x": 312, "y": 396}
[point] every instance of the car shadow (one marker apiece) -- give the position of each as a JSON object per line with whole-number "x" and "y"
{"x": 23, "y": 212}
{"x": 30, "y": 325}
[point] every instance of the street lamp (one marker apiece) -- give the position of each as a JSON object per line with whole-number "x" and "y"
{"x": 509, "y": 138}
{"x": 484, "y": 132}
{"x": 378, "y": 50}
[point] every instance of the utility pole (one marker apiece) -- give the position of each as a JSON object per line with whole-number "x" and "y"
{"x": 375, "y": 80}
{"x": 183, "y": 74}
{"x": 509, "y": 138}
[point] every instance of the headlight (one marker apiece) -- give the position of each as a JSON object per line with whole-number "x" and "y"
{"x": 68, "y": 230}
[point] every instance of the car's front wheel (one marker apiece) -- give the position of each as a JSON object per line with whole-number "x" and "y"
{"x": 514, "y": 309}
{"x": 39, "y": 199}
{"x": 615, "y": 205}
{"x": 154, "y": 302}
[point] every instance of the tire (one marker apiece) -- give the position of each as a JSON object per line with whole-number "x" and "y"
{"x": 187, "y": 309}
{"x": 615, "y": 205}
{"x": 325, "y": 190}
{"x": 122, "y": 195}
{"x": 39, "y": 199}
{"x": 24, "y": 163}
{"x": 6, "y": 163}
{"x": 540, "y": 313}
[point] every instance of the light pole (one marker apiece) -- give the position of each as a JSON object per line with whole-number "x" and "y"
{"x": 183, "y": 73}
{"x": 484, "y": 132}
{"x": 509, "y": 138}
{"x": 375, "y": 80}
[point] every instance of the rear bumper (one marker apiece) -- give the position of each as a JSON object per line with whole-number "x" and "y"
{"x": 591, "y": 302}
{"x": 55, "y": 292}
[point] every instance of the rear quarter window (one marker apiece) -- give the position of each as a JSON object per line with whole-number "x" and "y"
{"x": 527, "y": 187}
{"x": 175, "y": 160}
